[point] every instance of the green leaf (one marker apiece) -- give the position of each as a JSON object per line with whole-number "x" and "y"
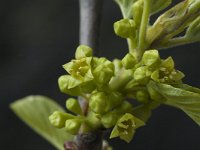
{"x": 126, "y": 7}
{"x": 35, "y": 111}
{"x": 158, "y": 5}
{"x": 186, "y": 99}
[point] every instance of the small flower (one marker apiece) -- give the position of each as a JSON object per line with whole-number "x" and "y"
{"x": 126, "y": 126}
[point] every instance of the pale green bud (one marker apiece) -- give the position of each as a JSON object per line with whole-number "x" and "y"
{"x": 137, "y": 11}
{"x": 110, "y": 118}
{"x": 125, "y": 28}
{"x": 142, "y": 96}
{"x": 83, "y": 51}
{"x": 57, "y": 119}
{"x": 129, "y": 61}
{"x": 102, "y": 70}
{"x": 72, "y": 126}
{"x": 69, "y": 85}
{"x": 73, "y": 105}
{"x": 113, "y": 99}
{"x": 97, "y": 102}
{"x": 142, "y": 74}
{"x": 151, "y": 58}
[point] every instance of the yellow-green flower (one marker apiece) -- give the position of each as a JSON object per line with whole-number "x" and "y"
{"x": 126, "y": 126}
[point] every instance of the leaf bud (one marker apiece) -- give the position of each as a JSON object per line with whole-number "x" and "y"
{"x": 73, "y": 105}
{"x": 72, "y": 126}
{"x": 83, "y": 51}
{"x": 57, "y": 119}
{"x": 125, "y": 28}
{"x": 129, "y": 61}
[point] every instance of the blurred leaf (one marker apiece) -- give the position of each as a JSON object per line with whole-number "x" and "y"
{"x": 186, "y": 99}
{"x": 35, "y": 111}
{"x": 126, "y": 7}
{"x": 158, "y": 5}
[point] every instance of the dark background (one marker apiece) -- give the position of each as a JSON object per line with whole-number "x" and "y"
{"x": 38, "y": 36}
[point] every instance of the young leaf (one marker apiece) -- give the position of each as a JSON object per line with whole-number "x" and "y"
{"x": 158, "y": 5}
{"x": 126, "y": 7}
{"x": 185, "y": 99}
{"x": 35, "y": 111}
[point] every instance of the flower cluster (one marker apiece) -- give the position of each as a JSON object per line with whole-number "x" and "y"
{"x": 105, "y": 87}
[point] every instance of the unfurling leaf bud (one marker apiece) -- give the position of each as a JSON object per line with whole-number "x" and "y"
{"x": 57, "y": 119}
{"x": 129, "y": 61}
{"x": 125, "y": 28}
{"x": 73, "y": 105}
{"x": 72, "y": 126}
{"x": 83, "y": 51}
{"x": 151, "y": 58}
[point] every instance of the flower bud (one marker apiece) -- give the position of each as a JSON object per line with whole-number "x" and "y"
{"x": 72, "y": 126}
{"x": 83, "y": 51}
{"x": 113, "y": 99}
{"x": 69, "y": 85}
{"x": 125, "y": 28}
{"x": 142, "y": 96}
{"x": 97, "y": 102}
{"x": 129, "y": 61}
{"x": 142, "y": 74}
{"x": 151, "y": 58}
{"x": 73, "y": 105}
{"x": 57, "y": 119}
{"x": 102, "y": 70}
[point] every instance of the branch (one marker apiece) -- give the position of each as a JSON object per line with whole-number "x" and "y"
{"x": 90, "y": 18}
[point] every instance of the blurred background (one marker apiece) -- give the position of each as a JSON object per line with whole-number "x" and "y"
{"x": 39, "y": 36}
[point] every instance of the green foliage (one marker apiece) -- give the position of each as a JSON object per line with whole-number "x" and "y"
{"x": 183, "y": 97}
{"x": 35, "y": 111}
